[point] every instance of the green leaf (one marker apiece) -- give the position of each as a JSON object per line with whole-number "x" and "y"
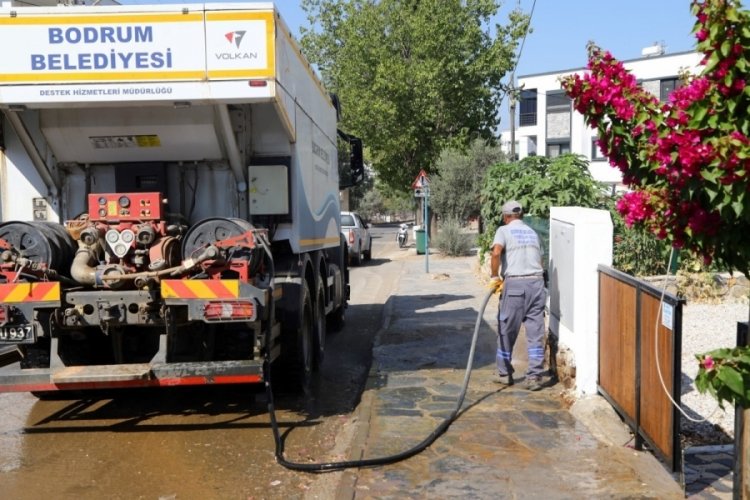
{"x": 700, "y": 113}
{"x": 732, "y": 378}
{"x": 738, "y": 207}
{"x": 725, "y": 48}
{"x": 712, "y": 62}
{"x": 729, "y": 79}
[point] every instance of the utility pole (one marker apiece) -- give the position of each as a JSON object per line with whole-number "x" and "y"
{"x": 512, "y": 104}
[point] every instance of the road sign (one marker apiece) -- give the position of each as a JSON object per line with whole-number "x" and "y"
{"x": 422, "y": 180}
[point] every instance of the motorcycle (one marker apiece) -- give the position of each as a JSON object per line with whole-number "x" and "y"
{"x": 403, "y": 235}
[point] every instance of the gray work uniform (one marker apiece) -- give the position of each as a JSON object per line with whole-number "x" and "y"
{"x": 523, "y": 296}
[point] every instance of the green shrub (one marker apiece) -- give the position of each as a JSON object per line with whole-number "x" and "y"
{"x": 537, "y": 182}
{"x": 452, "y": 240}
{"x": 638, "y": 252}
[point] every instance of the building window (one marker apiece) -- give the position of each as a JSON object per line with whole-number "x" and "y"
{"x": 558, "y": 101}
{"x": 556, "y": 149}
{"x": 596, "y": 152}
{"x": 531, "y": 145}
{"x": 527, "y": 108}
{"x": 667, "y": 86}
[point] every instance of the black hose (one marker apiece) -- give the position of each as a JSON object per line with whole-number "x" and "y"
{"x": 371, "y": 462}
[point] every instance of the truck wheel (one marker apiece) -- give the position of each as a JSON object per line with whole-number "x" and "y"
{"x": 358, "y": 256}
{"x": 368, "y": 253}
{"x": 297, "y": 349}
{"x": 319, "y": 329}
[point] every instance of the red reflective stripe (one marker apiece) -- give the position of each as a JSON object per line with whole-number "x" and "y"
{"x": 181, "y": 289}
{"x": 40, "y": 291}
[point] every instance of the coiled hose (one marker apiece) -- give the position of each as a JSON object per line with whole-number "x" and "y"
{"x": 371, "y": 462}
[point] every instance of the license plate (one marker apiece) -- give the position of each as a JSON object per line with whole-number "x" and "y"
{"x": 17, "y": 334}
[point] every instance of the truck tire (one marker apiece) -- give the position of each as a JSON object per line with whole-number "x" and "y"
{"x": 368, "y": 253}
{"x": 358, "y": 256}
{"x": 319, "y": 326}
{"x": 296, "y": 363}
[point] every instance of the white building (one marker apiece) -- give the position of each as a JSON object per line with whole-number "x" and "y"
{"x": 547, "y": 125}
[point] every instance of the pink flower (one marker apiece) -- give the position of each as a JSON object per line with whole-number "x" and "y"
{"x": 635, "y": 207}
{"x": 708, "y": 363}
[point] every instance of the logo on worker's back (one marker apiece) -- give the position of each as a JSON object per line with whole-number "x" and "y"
{"x": 235, "y": 37}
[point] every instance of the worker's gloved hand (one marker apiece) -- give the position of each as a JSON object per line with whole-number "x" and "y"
{"x": 496, "y": 285}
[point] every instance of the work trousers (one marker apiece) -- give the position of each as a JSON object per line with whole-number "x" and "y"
{"x": 522, "y": 301}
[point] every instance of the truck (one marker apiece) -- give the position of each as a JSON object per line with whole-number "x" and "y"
{"x": 169, "y": 198}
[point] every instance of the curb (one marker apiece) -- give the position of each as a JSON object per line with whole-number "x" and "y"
{"x": 346, "y": 488}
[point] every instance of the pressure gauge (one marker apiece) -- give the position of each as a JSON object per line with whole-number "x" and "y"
{"x": 112, "y": 236}
{"x": 120, "y": 250}
{"x": 102, "y": 200}
{"x": 124, "y": 201}
{"x": 127, "y": 236}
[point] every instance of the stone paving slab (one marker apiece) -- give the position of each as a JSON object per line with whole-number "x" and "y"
{"x": 708, "y": 471}
{"x": 507, "y": 442}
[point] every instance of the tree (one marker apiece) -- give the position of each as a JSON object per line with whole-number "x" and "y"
{"x": 371, "y": 204}
{"x": 538, "y": 183}
{"x": 686, "y": 160}
{"x": 413, "y": 76}
{"x": 455, "y": 192}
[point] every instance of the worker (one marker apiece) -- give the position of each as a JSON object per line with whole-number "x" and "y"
{"x": 516, "y": 249}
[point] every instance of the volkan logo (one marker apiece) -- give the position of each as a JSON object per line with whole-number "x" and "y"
{"x": 235, "y": 37}
{"x": 236, "y": 54}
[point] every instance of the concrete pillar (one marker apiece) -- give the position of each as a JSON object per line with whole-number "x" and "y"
{"x": 580, "y": 240}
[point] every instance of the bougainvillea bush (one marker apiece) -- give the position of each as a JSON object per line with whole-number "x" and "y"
{"x": 686, "y": 160}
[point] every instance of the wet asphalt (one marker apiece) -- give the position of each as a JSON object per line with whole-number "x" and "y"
{"x": 507, "y": 442}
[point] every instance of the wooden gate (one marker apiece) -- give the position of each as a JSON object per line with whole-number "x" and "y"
{"x": 640, "y": 335}
{"x": 742, "y": 433}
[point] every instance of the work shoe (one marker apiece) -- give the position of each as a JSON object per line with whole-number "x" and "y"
{"x": 505, "y": 380}
{"x": 533, "y": 383}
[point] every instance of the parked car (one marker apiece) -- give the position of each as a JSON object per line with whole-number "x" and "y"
{"x": 357, "y": 234}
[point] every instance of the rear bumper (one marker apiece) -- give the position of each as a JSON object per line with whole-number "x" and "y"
{"x": 131, "y": 375}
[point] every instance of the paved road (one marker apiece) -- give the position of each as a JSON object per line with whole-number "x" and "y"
{"x": 198, "y": 443}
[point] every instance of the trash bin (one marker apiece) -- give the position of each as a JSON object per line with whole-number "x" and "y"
{"x": 421, "y": 241}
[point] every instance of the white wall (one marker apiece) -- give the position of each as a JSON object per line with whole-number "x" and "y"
{"x": 580, "y": 240}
